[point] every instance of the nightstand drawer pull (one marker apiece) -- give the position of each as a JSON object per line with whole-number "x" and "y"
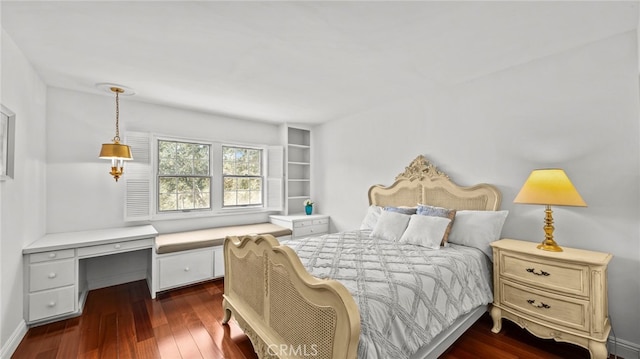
{"x": 541, "y": 272}
{"x": 541, "y": 305}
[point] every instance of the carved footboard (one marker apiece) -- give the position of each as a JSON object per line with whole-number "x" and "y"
{"x": 286, "y": 312}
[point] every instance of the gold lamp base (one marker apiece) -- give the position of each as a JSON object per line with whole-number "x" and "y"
{"x": 549, "y": 244}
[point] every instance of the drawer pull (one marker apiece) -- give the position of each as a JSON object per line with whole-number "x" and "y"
{"x": 117, "y": 246}
{"x": 186, "y": 269}
{"x": 52, "y": 255}
{"x": 541, "y": 272}
{"x": 51, "y": 304}
{"x": 52, "y": 275}
{"x": 541, "y": 305}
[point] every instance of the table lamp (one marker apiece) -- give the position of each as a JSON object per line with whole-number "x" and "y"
{"x": 549, "y": 186}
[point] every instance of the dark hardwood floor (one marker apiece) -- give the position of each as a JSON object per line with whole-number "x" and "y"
{"x": 124, "y": 322}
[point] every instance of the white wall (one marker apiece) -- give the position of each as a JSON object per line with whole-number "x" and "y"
{"x": 81, "y": 195}
{"x": 577, "y": 110}
{"x": 22, "y": 199}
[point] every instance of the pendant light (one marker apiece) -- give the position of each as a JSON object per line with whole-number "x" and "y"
{"x": 116, "y": 152}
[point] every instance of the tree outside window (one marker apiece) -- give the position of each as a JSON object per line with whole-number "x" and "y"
{"x": 242, "y": 176}
{"x": 184, "y": 176}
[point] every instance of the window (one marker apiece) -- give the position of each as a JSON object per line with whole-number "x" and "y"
{"x": 184, "y": 176}
{"x": 174, "y": 178}
{"x": 242, "y": 176}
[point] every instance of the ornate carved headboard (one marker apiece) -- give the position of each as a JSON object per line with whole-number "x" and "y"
{"x": 421, "y": 182}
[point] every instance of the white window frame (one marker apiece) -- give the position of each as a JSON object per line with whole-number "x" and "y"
{"x": 157, "y": 176}
{"x": 262, "y": 176}
{"x": 141, "y": 192}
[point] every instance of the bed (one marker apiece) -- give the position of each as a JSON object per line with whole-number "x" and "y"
{"x": 311, "y": 298}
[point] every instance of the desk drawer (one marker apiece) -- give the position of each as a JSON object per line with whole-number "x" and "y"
{"x": 566, "y": 311}
{"x": 51, "y": 255}
{"x": 115, "y": 247}
{"x": 51, "y": 303}
{"x": 54, "y": 274}
{"x": 551, "y": 275}
{"x": 185, "y": 268}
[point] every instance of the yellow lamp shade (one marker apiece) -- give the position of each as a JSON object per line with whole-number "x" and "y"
{"x": 549, "y": 186}
{"x": 115, "y": 150}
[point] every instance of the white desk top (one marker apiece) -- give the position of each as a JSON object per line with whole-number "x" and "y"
{"x": 56, "y": 241}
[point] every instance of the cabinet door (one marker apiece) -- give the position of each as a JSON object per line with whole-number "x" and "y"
{"x": 185, "y": 268}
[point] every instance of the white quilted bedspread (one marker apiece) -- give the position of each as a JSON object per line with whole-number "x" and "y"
{"x": 406, "y": 294}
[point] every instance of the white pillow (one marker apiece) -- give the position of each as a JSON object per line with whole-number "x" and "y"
{"x": 391, "y": 225}
{"x": 426, "y": 231}
{"x": 477, "y": 229}
{"x": 371, "y": 218}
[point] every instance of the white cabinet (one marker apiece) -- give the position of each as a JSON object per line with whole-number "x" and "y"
{"x": 559, "y": 295}
{"x": 51, "y": 284}
{"x": 298, "y": 168}
{"x": 303, "y": 225}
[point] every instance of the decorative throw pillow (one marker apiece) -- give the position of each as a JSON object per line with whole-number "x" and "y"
{"x": 478, "y": 229}
{"x": 403, "y": 210}
{"x": 390, "y": 225}
{"x": 427, "y": 210}
{"x": 371, "y": 218}
{"x": 426, "y": 231}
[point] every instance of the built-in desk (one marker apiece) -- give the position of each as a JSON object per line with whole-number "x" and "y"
{"x": 55, "y": 280}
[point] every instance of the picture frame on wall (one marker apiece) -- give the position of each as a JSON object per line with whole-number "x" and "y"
{"x": 7, "y": 143}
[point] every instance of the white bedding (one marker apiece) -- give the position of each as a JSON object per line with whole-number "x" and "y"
{"x": 406, "y": 293}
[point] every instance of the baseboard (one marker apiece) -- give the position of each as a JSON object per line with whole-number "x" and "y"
{"x": 624, "y": 349}
{"x": 7, "y": 350}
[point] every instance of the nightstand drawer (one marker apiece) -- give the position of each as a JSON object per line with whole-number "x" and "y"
{"x": 302, "y": 224}
{"x": 557, "y": 276}
{"x": 51, "y": 303}
{"x": 51, "y": 274}
{"x": 566, "y": 311}
{"x": 311, "y": 230}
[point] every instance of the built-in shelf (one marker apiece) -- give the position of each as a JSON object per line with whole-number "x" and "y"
{"x": 298, "y": 169}
{"x": 299, "y": 146}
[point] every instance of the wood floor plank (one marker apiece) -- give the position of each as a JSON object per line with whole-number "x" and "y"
{"x": 167, "y": 346}
{"x": 108, "y": 337}
{"x": 124, "y": 322}
{"x": 141, "y": 320}
{"x": 174, "y": 306}
{"x": 68, "y": 347}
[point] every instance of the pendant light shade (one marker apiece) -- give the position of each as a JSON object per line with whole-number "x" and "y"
{"x": 116, "y": 151}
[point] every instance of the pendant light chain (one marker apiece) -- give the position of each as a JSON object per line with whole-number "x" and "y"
{"x": 117, "y": 138}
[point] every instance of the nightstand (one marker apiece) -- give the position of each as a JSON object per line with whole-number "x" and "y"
{"x": 303, "y": 225}
{"x": 558, "y": 295}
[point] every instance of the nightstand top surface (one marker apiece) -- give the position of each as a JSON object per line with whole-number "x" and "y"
{"x": 568, "y": 254}
{"x": 297, "y": 217}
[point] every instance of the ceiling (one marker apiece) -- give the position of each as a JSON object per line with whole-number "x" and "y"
{"x": 297, "y": 61}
